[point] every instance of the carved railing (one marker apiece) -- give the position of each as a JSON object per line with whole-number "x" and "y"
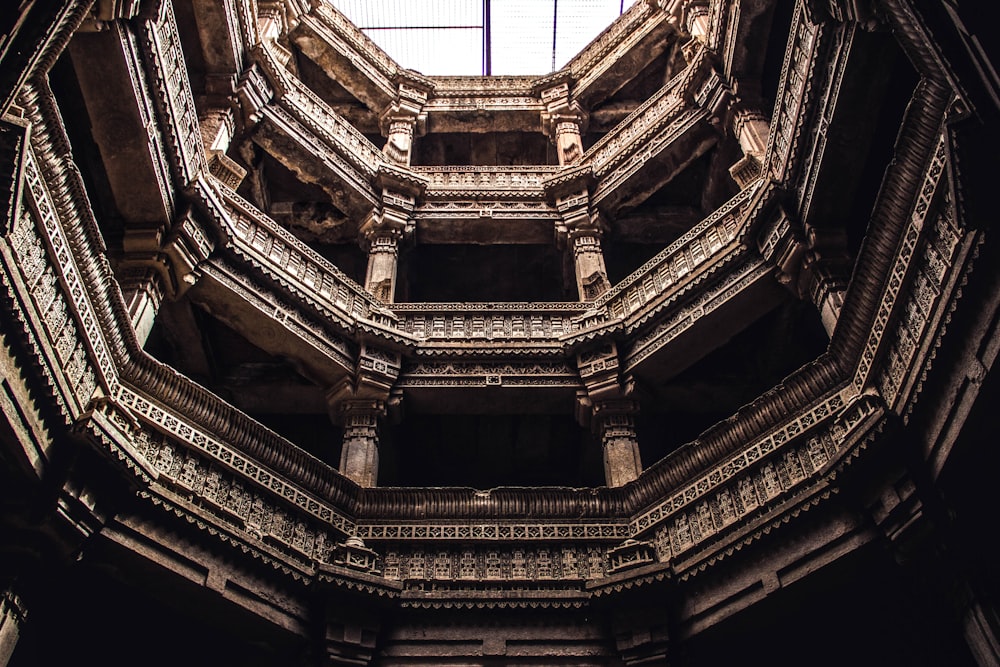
{"x": 354, "y": 158}
{"x": 646, "y": 118}
{"x": 294, "y": 265}
{"x": 480, "y": 323}
{"x": 662, "y": 277}
{"x": 521, "y": 182}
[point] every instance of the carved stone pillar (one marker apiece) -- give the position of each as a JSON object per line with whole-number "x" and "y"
{"x": 564, "y": 121}
{"x": 359, "y": 455}
{"x": 615, "y": 422}
{"x": 606, "y": 404}
{"x": 404, "y": 118}
{"x": 359, "y": 404}
{"x": 12, "y": 616}
{"x": 580, "y": 231}
{"x": 383, "y": 254}
{"x": 751, "y": 129}
{"x": 142, "y": 288}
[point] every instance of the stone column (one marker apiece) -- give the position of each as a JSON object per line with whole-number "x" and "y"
{"x": 381, "y": 233}
{"x": 359, "y": 455}
{"x": 579, "y": 229}
{"x": 564, "y": 122}
{"x": 383, "y": 255}
{"x": 359, "y": 404}
{"x": 615, "y": 422}
{"x": 607, "y": 405}
{"x": 12, "y": 616}
{"x": 582, "y": 232}
{"x": 751, "y": 130}
{"x": 405, "y": 117}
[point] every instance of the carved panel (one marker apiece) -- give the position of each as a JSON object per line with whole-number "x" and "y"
{"x": 183, "y": 436}
{"x": 163, "y": 46}
{"x": 782, "y": 462}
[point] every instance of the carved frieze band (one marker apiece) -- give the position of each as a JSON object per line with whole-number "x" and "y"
{"x": 63, "y": 313}
{"x": 770, "y": 470}
{"x": 495, "y": 563}
{"x": 496, "y": 531}
{"x": 198, "y": 450}
{"x": 926, "y": 263}
{"x": 478, "y": 374}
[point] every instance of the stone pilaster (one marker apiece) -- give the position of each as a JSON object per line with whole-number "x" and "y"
{"x": 580, "y": 231}
{"x": 588, "y": 261}
{"x": 12, "y": 616}
{"x": 606, "y": 404}
{"x": 404, "y": 119}
{"x": 564, "y": 122}
{"x": 751, "y": 130}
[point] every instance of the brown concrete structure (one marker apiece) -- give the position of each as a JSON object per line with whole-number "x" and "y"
{"x": 681, "y": 355}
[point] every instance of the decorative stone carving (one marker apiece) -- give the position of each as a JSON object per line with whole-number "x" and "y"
{"x": 564, "y": 121}
{"x": 404, "y": 118}
{"x": 629, "y": 554}
{"x": 752, "y": 131}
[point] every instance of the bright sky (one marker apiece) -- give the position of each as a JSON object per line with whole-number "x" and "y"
{"x": 447, "y": 37}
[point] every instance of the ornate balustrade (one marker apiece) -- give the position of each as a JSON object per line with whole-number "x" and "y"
{"x": 664, "y": 276}
{"x": 483, "y": 323}
{"x": 519, "y": 182}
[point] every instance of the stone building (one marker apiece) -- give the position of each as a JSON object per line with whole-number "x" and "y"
{"x": 680, "y": 355}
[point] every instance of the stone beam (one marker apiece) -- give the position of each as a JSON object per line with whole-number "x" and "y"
{"x": 277, "y": 328}
{"x": 608, "y": 63}
{"x": 120, "y": 106}
{"x": 347, "y": 56}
